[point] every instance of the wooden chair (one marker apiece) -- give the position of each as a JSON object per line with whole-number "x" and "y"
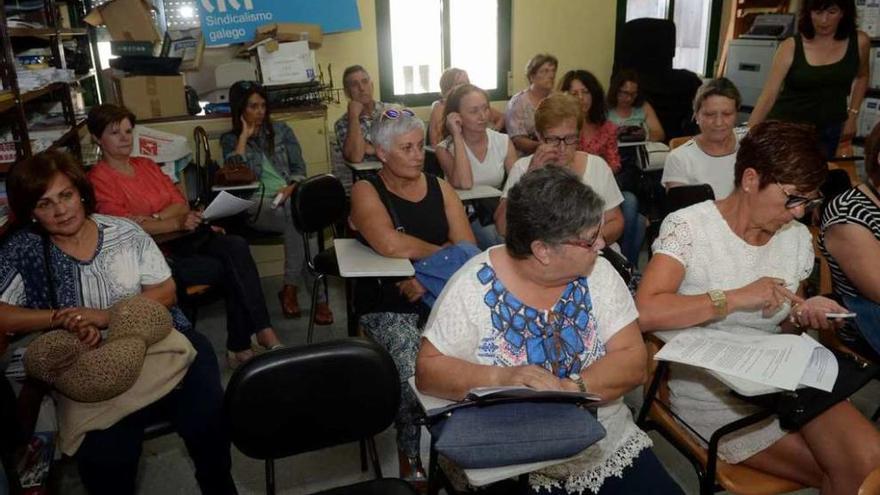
{"x": 678, "y": 141}
{"x": 713, "y": 473}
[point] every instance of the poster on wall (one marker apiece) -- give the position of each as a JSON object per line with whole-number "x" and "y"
{"x": 234, "y": 21}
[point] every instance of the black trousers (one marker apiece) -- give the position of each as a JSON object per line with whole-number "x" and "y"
{"x": 225, "y": 262}
{"x": 108, "y": 459}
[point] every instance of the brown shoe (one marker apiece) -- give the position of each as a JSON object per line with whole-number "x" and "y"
{"x": 323, "y": 315}
{"x": 289, "y": 303}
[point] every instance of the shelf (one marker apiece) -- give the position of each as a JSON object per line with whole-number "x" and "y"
{"x": 45, "y": 32}
{"x": 72, "y": 132}
{"x": 7, "y": 100}
{"x": 37, "y": 93}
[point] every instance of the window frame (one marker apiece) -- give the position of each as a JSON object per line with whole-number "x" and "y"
{"x": 386, "y": 66}
{"x": 714, "y": 30}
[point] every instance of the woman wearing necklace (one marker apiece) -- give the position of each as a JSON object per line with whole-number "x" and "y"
{"x": 710, "y": 156}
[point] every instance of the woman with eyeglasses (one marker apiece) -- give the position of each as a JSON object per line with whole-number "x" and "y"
{"x": 627, "y": 107}
{"x": 272, "y": 152}
{"x": 519, "y": 119}
{"x": 850, "y": 241}
{"x": 709, "y": 157}
{"x": 491, "y": 323}
{"x": 820, "y": 75}
{"x": 136, "y": 188}
{"x": 558, "y": 122}
{"x": 403, "y": 213}
{"x": 738, "y": 265}
{"x": 471, "y": 154}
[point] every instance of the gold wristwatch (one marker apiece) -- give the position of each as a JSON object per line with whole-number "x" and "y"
{"x": 719, "y": 302}
{"x": 582, "y": 387}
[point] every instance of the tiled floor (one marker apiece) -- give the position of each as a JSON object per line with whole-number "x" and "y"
{"x": 167, "y": 470}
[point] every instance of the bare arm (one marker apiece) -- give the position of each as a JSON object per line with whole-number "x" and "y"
{"x": 14, "y": 319}
{"x": 655, "y": 129}
{"x": 525, "y": 144}
{"x": 511, "y": 157}
{"x": 613, "y": 228}
{"x": 163, "y": 292}
{"x": 621, "y": 369}
{"x": 171, "y": 219}
{"x": 781, "y": 63}
{"x": 497, "y": 118}
{"x": 355, "y": 145}
{"x": 856, "y": 250}
{"x": 501, "y": 217}
{"x": 436, "y": 124}
{"x": 456, "y": 166}
{"x": 859, "y": 87}
{"x": 371, "y": 219}
{"x": 459, "y": 227}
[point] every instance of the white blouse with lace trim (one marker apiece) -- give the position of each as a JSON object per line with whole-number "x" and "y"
{"x": 714, "y": 257}
{"x": 460, "y": 320}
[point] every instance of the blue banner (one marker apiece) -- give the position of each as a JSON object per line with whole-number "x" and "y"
{"x": 234, "y": 21}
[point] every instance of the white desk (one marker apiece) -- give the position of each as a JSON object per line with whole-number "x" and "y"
{"x": 243, "y": 187}
{"x": 485, "y": 476}
{"x": 478, "y": 192}
{"x": 357, "y": 260}
{"x": 739, "y": 385}
{"x": 367, "y": 166}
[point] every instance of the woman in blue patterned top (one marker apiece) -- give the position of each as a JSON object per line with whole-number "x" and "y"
{"x": 63, "y": 268}
{"x": 545, "y": 311}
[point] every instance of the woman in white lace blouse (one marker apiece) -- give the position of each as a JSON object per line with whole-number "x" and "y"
{"x": 504, "y": 312}
{"x": 737, "y": 265}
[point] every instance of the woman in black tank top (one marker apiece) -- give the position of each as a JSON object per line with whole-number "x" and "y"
{"x": 403, "y": 213}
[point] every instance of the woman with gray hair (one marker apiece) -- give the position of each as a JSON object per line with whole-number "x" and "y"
{"x": 545, "y": 311}
{"x": 709, "y": 157}
{"x": 403, "y": 213}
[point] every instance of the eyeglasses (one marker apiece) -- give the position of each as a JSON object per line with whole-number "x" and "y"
{"x": 394, "y": 113}
{"x": 565, "y": 140}
{"x": 589, "y": 244}
{"x": 247, "y": 85}
{"x": 793, "y": 201}
{"x": 631, "y": 94}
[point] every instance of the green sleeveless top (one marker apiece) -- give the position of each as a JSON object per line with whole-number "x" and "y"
{"x": 817, "y": 94}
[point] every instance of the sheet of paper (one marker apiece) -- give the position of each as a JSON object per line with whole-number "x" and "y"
{"x": 225, "y": 205}
{"x": 775, "y": 360}
{"x": 822, "y": 369}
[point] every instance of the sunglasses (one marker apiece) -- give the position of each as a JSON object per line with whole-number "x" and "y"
{"x": 793, "y": 201}
{"x": 556, "y": 141}
{"x": 394, "y": 113}
{"x": 588, "y": 243}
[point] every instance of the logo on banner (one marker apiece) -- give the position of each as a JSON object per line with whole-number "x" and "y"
{"x": 231, "y": 21}
{"x": 221, "y": 5}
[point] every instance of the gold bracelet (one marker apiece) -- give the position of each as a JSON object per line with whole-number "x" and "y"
{"x": 793, "y": 313}
{"x": 854, "y": 111}
{"x": 52, "y": 317}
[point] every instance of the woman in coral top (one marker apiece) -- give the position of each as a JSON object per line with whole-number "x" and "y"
{"x": 137, "y": 189}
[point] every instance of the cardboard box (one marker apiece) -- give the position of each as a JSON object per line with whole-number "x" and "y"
{"x": 288, "y": 31}
{"x": 151, "y": 97}
{"x": 288, "y": 63}
{"x": 126, "y": 20}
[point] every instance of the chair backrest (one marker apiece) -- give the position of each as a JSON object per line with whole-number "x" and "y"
{"x": 678, "y": 141}
{"x": 683, "y": 196}
{"x": 319, "y": 202}
{"x": 299, "y": 399}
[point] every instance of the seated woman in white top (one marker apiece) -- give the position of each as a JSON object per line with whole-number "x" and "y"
{"x": 471, "y": 154}
{"x": 558, "y": 121}
{"x": 709, "y": 157}
{"x": 451, "y": 79}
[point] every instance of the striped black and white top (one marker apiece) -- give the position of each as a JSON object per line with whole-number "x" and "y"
{"x": 851, "y": 207}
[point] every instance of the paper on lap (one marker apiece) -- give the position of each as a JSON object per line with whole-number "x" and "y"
{"x": 225, "y": 205}
{"x": 781, "y": 360}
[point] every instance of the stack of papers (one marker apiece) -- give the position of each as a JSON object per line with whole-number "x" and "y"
{"x": 784, "y": 361}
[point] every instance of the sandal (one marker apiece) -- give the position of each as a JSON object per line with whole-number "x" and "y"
{"x": 323, "y": 315}
{"x": 412, "y": 472}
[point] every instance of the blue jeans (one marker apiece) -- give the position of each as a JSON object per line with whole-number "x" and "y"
{"x": 486, "y": 235}
{"x": 633, "y": 228}
{"x": 867, "y": 318}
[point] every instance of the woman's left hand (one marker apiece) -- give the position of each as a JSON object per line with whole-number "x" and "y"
{"x": 286, "y": 192}
{"x": 76, "y": 319}
{"x": 411, "y": 289}
{"x": 811, "y": 313}
{"x": 849, "y": 128}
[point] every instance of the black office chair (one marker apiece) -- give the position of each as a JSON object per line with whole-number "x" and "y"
{"x": 299, "y": 399}
{"x": 684, "y": 196}
{"x": 319, "y": 203}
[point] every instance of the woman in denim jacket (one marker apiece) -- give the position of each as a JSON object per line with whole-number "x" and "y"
{"x": 272, "y": 152}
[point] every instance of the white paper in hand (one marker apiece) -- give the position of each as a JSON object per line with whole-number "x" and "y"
{"x": 225, "y": 205}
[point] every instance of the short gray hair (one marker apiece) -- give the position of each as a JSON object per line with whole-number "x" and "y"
{"x": 384, "y": 130}
{"x": 721, "y": 86}
{"x": 551, "y": 205}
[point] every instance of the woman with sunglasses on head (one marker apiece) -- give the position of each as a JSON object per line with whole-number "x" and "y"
{"x": 558, "y": 122}
{"x": 519, "y": 119}
{"x": 627, "y": 106}
{"x": 815, "y": 71}
{"x": 737, "y": 265}
{"x": 403, "y": 213}
{"x": 136, "y": 188}
{"x": 850, "y": 241}
{"x": 549, "y": 276}
{"x": 709, "y": 157}
{"x": 272, "y": 152}
{"x": 471, "y": 154}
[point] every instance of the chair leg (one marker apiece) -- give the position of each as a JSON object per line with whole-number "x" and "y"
{"x": 374, "y": 457}
{"x": 350, "y": 315}
{"x": 310, "y": 335}
{"x": 270, "y": 477}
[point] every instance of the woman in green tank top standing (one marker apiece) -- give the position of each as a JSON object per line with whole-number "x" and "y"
{"x": 814, "y": 72}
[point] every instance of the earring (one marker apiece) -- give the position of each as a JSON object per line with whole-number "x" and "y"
{"x": 82, "y": 200}
{"x": 34, "y": 220}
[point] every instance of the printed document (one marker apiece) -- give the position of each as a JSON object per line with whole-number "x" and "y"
{"x": 781, "y": 360}
{"x": 225, "y": 205}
